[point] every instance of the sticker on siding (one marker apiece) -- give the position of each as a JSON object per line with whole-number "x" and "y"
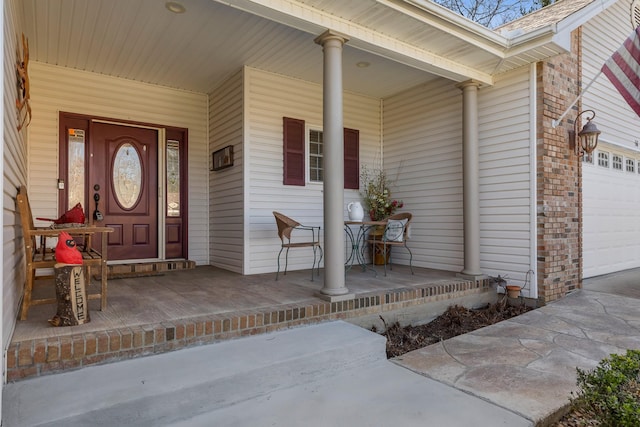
{"x": 76, "y": 135}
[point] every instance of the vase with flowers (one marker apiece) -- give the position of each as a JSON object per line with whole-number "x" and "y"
{"x": 377, "y": 195}
{"x": 380, "y": 205}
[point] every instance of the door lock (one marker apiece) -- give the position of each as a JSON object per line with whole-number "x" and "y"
{"x": 97, "y": 215}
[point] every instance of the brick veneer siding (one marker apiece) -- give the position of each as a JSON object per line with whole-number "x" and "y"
{"x": 559, "y": 176}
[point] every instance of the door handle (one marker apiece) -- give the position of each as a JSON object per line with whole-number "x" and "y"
{"x": 97, "y": 215}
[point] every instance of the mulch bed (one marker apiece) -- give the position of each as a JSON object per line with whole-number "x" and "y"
{"x": 455, "y": 321}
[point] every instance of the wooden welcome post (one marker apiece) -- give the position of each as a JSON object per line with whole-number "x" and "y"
{"x": 71, "y": 296}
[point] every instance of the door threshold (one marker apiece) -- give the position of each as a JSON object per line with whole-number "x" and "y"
{"x": 129, "y": 269}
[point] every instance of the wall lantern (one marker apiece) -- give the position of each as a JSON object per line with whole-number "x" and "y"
{"x": 587, "y": 139}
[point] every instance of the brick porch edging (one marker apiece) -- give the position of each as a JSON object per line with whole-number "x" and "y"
{"x": 31, "y": 358}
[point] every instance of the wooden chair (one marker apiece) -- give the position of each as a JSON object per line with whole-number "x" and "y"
{"x": 39, "y": 256}
{"x": 396, "y": 233}
{"x": 286, "y": 226}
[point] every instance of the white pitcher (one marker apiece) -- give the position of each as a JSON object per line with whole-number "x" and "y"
{"x": 356, "y": 213}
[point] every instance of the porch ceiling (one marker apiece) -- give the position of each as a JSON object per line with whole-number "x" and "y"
{"x": 405, "y": 42}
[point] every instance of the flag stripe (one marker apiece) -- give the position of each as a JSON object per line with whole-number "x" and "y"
{"x": 627, "y": 59}
{"x": 623, "y": 69}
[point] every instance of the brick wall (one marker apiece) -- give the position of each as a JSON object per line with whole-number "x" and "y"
{"x": 559, "y": 169}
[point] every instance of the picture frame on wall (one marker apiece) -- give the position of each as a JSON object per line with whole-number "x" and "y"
{"x": 223, "y": 158}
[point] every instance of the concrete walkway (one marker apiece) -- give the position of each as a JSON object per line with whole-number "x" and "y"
{"x": 517, "y": 373}
{"x": 528, "y": 364}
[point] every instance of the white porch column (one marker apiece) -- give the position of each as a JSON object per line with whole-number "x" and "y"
{"x": 333, "y": 184}
{"x": 470, "y": 166}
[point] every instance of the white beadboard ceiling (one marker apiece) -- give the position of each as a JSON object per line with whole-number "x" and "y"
{"x": 405, "y": 42}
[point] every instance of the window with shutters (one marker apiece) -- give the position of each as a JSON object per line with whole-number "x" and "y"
{"x": 305, "y": 145}
{"x": 316, "y": 155}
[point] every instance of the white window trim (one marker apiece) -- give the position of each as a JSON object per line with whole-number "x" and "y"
{"x": 608, "y": 159}
{"x": 627, "y": 162}
{"x": 307, "y": 143}
{"x": 615, "y": 165}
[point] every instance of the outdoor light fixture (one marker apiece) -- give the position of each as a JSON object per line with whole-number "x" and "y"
{"x": 587, "y": 138}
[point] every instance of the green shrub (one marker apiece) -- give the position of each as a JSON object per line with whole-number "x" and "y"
{"x": 611, "y": 391}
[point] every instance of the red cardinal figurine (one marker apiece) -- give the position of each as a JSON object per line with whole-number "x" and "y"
{"x": 67, "y": 251}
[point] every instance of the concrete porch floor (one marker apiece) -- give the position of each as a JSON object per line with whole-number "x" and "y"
{"x": 178, "y": 309}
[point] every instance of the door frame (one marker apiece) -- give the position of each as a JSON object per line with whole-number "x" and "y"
{"x": 163, "y": 132}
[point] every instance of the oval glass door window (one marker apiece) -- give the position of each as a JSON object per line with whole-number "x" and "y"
{"x": 127, "y": 176}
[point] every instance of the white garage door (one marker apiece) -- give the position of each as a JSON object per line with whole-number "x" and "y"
{"x": 611, "y": 201}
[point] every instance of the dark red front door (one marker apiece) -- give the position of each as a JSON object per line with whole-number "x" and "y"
{"x": 123, "y": 173}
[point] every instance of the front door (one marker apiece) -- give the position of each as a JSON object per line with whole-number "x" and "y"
{"x": 118, "y": 164}
{"x": 123, "y": 179}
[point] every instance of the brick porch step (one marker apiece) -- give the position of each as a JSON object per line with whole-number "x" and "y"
{"x": 142, "y": 269}
{"x": 44, "y": 356}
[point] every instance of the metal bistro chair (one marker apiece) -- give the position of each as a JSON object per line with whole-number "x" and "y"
{"x": 286, "y": 226}
{"x": 396, "y": 233}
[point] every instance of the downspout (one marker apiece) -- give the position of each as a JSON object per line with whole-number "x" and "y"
{"x": 533, "y": 165}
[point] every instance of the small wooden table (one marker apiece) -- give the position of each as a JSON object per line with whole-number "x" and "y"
{"x": 357, "y": 241}
{"x": 41, "y": 256}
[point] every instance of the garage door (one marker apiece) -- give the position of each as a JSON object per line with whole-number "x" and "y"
{"x": 611, "y": 201}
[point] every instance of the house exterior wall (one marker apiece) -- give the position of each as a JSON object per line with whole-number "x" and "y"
{"x": 611, "y": 196}
{"x": 559, "y": 200}
{"x": 507, "y": 187}
{"x": 55, "y": 89}
{"x": 617, "y": 121}
{"x": 14, "y": 173}
{"x": 226, "y": 198}
{"x": 269, "y": 98}
{"x": 423, "y": 153}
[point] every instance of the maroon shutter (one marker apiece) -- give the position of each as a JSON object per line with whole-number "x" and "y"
{"x": 293, "y": 151}
{"x": 351, "y": 159}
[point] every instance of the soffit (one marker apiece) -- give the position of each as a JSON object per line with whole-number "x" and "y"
{"x": 406, "y": 43}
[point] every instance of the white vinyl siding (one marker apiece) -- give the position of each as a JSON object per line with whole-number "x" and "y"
{"x": 423, "y": 156}
{"x": 423, "y": 153}
{"x": 269, "y": 98}
{"x": 226, "y": 186}
{"x": 14, "y": 169}
{"x": 602, "y": 36}
{"x": 55, "y": 89}
{"x": 506, "y": 185}
{"x": 611, "y": 200}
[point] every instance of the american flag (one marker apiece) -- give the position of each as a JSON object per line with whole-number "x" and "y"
{"x": 623, "y": 69}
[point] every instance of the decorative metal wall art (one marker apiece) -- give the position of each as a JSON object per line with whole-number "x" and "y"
{"x": 22, "y": 75}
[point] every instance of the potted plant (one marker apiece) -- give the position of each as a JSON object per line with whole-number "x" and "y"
{"x": 512, "y": 291}
{"x": 377, "y": 195}
{"x": 379, "y": 204}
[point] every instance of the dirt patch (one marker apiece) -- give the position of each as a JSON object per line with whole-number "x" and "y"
{"x": 455, "y": 321}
